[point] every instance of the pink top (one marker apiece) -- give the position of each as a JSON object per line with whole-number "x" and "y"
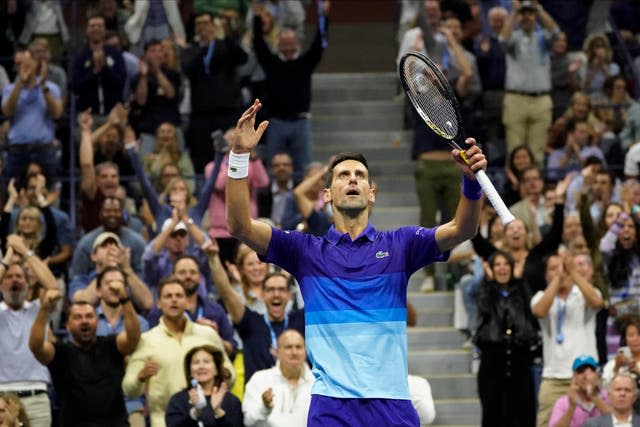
{"x": 580, "y": 415}
{"x": 258, "y": 178}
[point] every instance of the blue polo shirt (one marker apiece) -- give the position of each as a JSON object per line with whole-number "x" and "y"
{"x": 355, "y": 295}
{"x": 31, "y": 123}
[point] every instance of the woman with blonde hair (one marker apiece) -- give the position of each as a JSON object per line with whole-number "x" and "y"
{"x": 599, "y": 64}
{"x": 167, "y": 151}
{"x": 12, "y": 412}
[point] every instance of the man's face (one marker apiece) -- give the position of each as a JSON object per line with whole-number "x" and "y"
{"x": 177, "y": 242}
{"x": 14, "y": 286}
{"x": 172, "y": 301}
{"x": 107, "y": 181}
{"x": 82, "y": 323}
{"x": 154, "y": 54}
{"x": 601, "y": 186}
{"x": 276, "y": 295}
{"x": 111, "y": 214}
{"x": 554, "y": 268}
{"x": 515, "y": 234}
{"x": 454, "y": 26}
{"x": 527, "y": 19}
{"x": 496, "y": 22}
{"x": 291, "y": 351}
{"x": 532, "y": 182}
{"x": 96, "y": 30}
{"x": 350, "y": 191}
{"x": 282, "y": 167}
{"x": 40, "y": 52}
{"x": 104, "y": 291}
{"x": 32, "y": 195}
{"x": 110, "y": 140}
{"x": 622, "y": 394}
{"x": 288, "y": 46}
{"x": 583, "y": 266}
{"x": 204, "y": 27}
{"x": 433, "y": 12}
{"x": 106, "y": 255}
{"x": 584, "y": 376}
{"x": 187, "y": 271}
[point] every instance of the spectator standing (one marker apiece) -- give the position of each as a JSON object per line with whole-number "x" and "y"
{"x": 167, "y": 149}
{"x": 566, "y": 311}
{"x": 40, "y": 51}
{"x": 156, "y": 95}
{"x": 288, "y": 102}
{"x": 155, "y": 368}
{"x": 211, "y": 68}
{"x": 111, "y": 220}
{"x": 20, "y": 372}
{"x": 505, "y": 336}
{"x": 153, "y": 20}
{"x": 200, "y": 310}
{"x": 272, "y": 198}
{"x": 280, "y": 396}
{"x": 527, "y": 106}
{"x": 111, "y": 320}
{"x": 32, "y": 104}
{"x": 87, "y": 371}
{"x": 45, "y": 19}
{"x": 99, "y": 73}
{"x": 598, "y": 66}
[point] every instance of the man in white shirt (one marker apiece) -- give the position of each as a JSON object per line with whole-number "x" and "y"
{"x": 623, "y": 391}
{"x": 280, "y": 396}
{"x": 566, "y": 311}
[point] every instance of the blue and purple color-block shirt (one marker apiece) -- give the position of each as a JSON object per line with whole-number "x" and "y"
{"x": 355, "y": 295}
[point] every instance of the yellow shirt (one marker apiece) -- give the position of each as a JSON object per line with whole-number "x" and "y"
{"x": 161, "y": 345}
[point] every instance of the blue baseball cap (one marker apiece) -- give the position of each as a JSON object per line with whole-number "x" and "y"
{"x": 584, "y": 360}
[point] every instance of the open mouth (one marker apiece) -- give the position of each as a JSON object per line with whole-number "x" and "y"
{"x": 15, "y": 288}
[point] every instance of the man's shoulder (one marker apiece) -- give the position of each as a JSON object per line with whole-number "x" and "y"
{"x": 131, "y": 235}
{"x": 602, "y": 421}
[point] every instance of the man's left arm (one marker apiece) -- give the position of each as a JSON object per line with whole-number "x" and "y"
{"x": 51, "y": 94}
{"x": 546, "y": 20}
{"x": 467, "y": 218}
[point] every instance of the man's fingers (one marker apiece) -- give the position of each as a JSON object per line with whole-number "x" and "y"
{"x": 261, "y": 128}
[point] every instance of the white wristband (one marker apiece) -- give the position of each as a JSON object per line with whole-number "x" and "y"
{"x": 238, "y": 165}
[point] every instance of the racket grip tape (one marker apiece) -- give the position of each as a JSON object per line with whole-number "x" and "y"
{"x": 494, "y": 198}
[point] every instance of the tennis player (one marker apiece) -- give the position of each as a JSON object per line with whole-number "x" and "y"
{"x": 354, "y": 282}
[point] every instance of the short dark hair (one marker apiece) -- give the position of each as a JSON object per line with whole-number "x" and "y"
{"x": 150, "y": 43}
{"x": 171, "y": 280}
{"x": 277, "y": 274}
{"x": 341, "y": 157}
{"x": 106, "y": 270}
{"x": 185, "y": 256}
{"x": 218, "y": 358}
{"x": 203, "y": 13}
{"x": 78, "y": 303}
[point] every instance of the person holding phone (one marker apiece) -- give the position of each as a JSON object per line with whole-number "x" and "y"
{"x": 627, "y": 357}
{"x": 206, "y": 402}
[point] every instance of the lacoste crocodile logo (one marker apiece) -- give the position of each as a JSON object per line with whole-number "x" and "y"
{"x": 382, "y": 254}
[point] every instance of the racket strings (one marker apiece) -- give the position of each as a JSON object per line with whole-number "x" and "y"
{"x": 430, "y": 97}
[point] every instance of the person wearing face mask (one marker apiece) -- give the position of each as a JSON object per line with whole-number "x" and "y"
{"x": 215, "y": 406}
{"x": 505, "y": 335}
{"x": 87, "y": 370}
{"x": 280, "y": 396}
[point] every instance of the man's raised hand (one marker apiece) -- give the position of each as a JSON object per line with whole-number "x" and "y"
{"x": 247, "y": 136}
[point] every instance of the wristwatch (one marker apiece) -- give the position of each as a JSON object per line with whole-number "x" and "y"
{"x": 45, "y": 89}
{"x": 28, "y": 254}
{"x": 190, "y": 221}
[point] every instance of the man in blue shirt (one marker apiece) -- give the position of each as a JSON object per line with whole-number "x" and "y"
{"x": 354, "y": 282}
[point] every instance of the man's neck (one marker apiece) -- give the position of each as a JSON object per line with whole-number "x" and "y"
{"x": 113, "y": 314}
{"x": 192, "y": 301}
{"x": 622, "y": 416}
{"x": 93, "y": 45}
{"x": 353, "y": 226}
{"x": 291, "y": 374}
{"x": 15, "y": 307}
{"x": 175, "y": 325}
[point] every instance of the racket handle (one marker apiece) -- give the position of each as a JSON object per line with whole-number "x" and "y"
{"x": 496, "y": 201}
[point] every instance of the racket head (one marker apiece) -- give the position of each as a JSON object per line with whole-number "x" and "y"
{"x": 431, "y": 95}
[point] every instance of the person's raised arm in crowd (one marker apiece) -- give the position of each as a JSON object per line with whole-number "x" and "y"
{"x": 40, "y": 269}
{"x": 87, "y": 168}
{"x": 554, "y": 276}
{"x": 230, "y": 298}
{"x": 127, "y": 340}
{"x": 591, "y": 296}
{"x": 42, "y": 349}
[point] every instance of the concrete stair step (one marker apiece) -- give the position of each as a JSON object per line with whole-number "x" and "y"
{"x": 433, "y": 337}
{"x": 348, "y": 122}
{"x": 426, "y": 301}
{"x": 430, "y": 362}
{"x": 355, "y": 108}
{"x": 460, "y": 386}
{"x": 436, "y": 317}
{"x": 401, "y": 198}
{"x": 362, "y": 81}
{"x": 357, "y": 139}
{"x": 458, "y": 412}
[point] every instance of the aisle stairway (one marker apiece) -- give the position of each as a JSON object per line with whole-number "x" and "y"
{"x": 358, "y": 112}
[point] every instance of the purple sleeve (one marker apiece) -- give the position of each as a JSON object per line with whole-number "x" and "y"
{"x": 285, "y": 249}
{"x": 420, "y": 246}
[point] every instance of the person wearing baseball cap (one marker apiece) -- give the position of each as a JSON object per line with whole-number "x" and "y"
{"x": 585, "y": 399}
{"x": 108, "y": 251}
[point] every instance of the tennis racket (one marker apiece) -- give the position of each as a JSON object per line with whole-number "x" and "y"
{"x": 434, "y": 99}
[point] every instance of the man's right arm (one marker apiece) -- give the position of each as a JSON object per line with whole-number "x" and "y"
{"x": 231, "y": 300}
{"x": 255, "y": 234}
{"x": 88, "y": 182}
{"x": 9, "y": 105}
{"x": 541, "y": 308}
{"x": 42, "y": 349}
